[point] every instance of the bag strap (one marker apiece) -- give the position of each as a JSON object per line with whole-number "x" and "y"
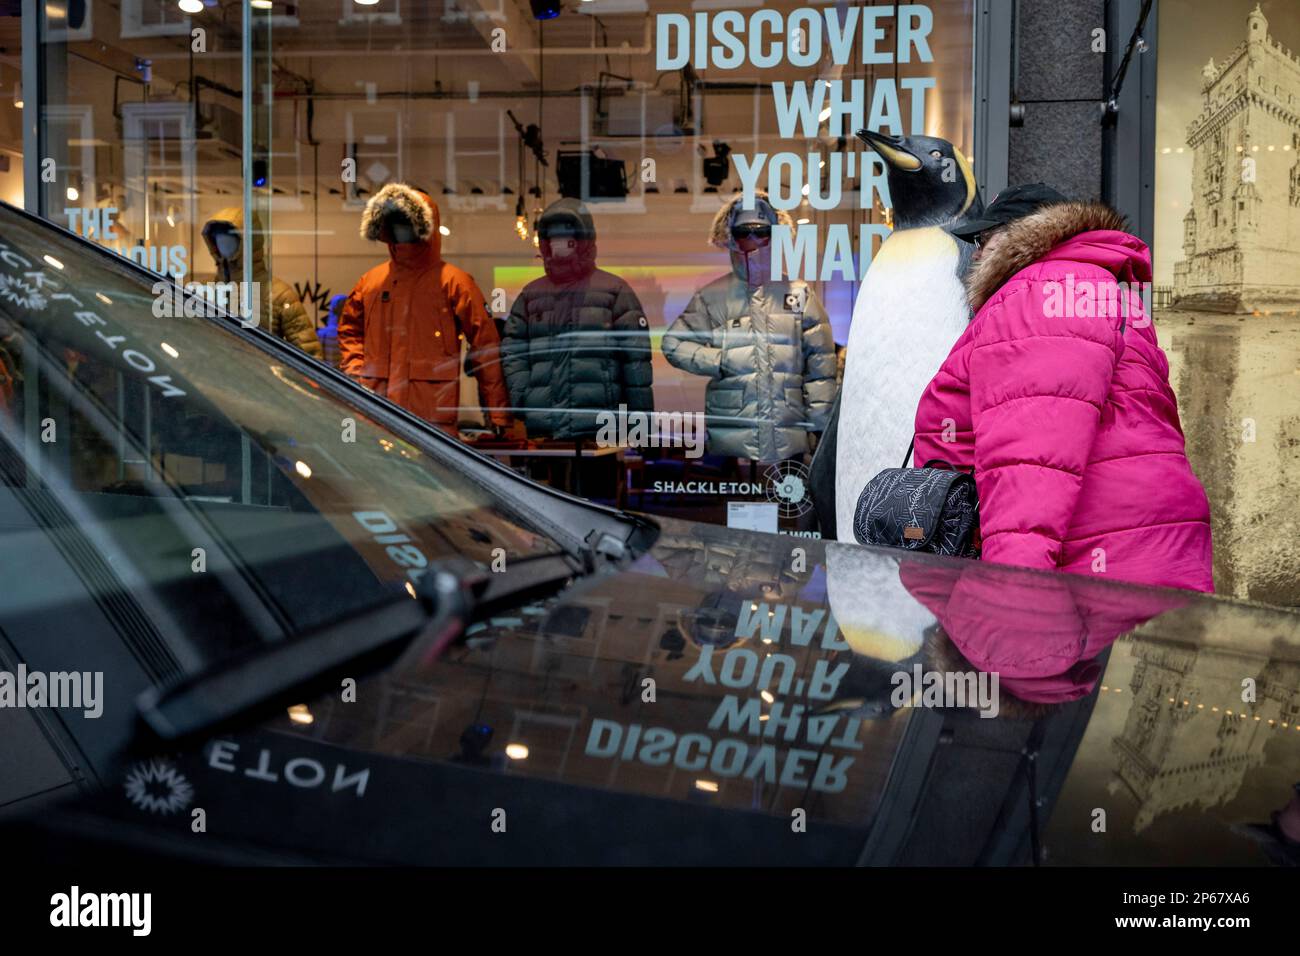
{"x": 907, "y": 461}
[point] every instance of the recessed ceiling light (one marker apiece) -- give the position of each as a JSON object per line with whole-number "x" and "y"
{"x": 260, "y": 4}
{"x": 191, "y": 6}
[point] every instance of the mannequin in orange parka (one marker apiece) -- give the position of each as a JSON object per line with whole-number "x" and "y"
{"x": 400, "y": 330}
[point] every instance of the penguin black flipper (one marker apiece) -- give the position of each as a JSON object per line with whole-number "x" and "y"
{"x": 821, "y": 474}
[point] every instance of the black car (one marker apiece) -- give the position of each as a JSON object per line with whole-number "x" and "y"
{"x": 325, "y": 632}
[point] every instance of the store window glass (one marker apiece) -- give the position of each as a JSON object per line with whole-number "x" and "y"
{"x": 11, "y": 108}
{"x": 1227, "y": 271}
{"x": 140, "y": 125}
{"x": 529, "y": 222}
{"x": 160, "y": 431}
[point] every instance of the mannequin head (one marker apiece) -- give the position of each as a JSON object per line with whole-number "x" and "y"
{"x": 225, "y": 242}
{"x": 567, "y": 240}
{"x": 396, "y": 227}
{"x": 750, "y": 241}
{"x": 407, "y": 221}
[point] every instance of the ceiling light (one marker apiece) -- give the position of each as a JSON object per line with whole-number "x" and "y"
{"x": 191, "y": 6}
{"x": 260, "y": 4}
{"x": 18, "y": 96}
{"x": 444, "y": 230}
{"x": 302, "y": 468}
{"x": 169, "y": 349}
{"x": 299, "y": 714}
{"x": 54, "y": 262}
{"x": 365, "y": 3}
{"x": 73, "y": 195}
{"x": 516, "y": 751}
{"x": 708, "y": 786}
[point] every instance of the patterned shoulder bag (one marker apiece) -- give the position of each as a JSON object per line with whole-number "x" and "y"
{"x": 933, "y": 509}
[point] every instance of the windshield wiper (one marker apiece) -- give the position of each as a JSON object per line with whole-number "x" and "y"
{"x": 448, "y": 597}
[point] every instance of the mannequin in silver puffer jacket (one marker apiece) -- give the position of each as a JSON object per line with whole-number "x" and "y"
{"x": 765, "y": 344}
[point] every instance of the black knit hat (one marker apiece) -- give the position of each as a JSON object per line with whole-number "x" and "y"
{"x": 1014, "y": 202}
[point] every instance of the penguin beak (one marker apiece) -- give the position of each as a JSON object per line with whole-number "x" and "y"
{"x": 891, "y": 149}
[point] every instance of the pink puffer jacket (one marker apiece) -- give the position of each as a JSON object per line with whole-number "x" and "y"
{"x": 1059, "y": 396}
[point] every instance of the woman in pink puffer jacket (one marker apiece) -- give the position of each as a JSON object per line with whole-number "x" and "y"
{"x": 1058, "y": 396}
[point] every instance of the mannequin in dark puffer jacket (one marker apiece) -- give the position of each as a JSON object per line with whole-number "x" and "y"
{"x": 577, "y": 342}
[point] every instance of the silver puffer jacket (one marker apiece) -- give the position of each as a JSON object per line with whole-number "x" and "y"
{"x": 766, "y": 347}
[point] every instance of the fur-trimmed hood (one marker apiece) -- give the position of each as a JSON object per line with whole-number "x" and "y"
{"x": 720, "y": 231}
{"x": 1029, "y": 239}
{"x": 417, "y": 207}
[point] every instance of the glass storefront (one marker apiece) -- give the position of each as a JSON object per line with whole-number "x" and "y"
{"x": 243, "y": 146}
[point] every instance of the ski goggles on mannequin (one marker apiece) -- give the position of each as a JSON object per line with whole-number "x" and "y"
{"x": 759, "y": 231}
{"x": 223, "y": 239}
{"x": 560, "y": 239}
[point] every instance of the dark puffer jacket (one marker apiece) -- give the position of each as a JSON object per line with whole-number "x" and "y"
{"x": 577, "y": 342}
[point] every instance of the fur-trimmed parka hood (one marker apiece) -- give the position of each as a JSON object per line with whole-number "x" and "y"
{"x": 720, "y": 231}
{"x": 1030, "y": 239}
{"x": 416, "y": 207}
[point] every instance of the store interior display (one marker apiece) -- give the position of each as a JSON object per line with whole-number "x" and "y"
{"x": 497, "y": 111}
{"x": 401, "y": 329}
{"x": 765, "y": 345}
{"x": 577, "y": 342}
{"x": 282, "y": 313}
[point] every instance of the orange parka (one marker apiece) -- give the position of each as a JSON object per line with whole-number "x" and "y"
{"x": 401, "y": 327}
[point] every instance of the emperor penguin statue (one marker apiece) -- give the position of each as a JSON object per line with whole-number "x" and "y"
{"x": 910, "y": 310}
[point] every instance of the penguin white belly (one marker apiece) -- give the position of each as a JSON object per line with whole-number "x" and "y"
{"x": 909, "y": 312}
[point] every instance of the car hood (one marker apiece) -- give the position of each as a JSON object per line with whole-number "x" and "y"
{"x": 733, "y": 686}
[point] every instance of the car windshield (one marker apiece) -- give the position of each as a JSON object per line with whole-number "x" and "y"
{"x": 183, "y": 467}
